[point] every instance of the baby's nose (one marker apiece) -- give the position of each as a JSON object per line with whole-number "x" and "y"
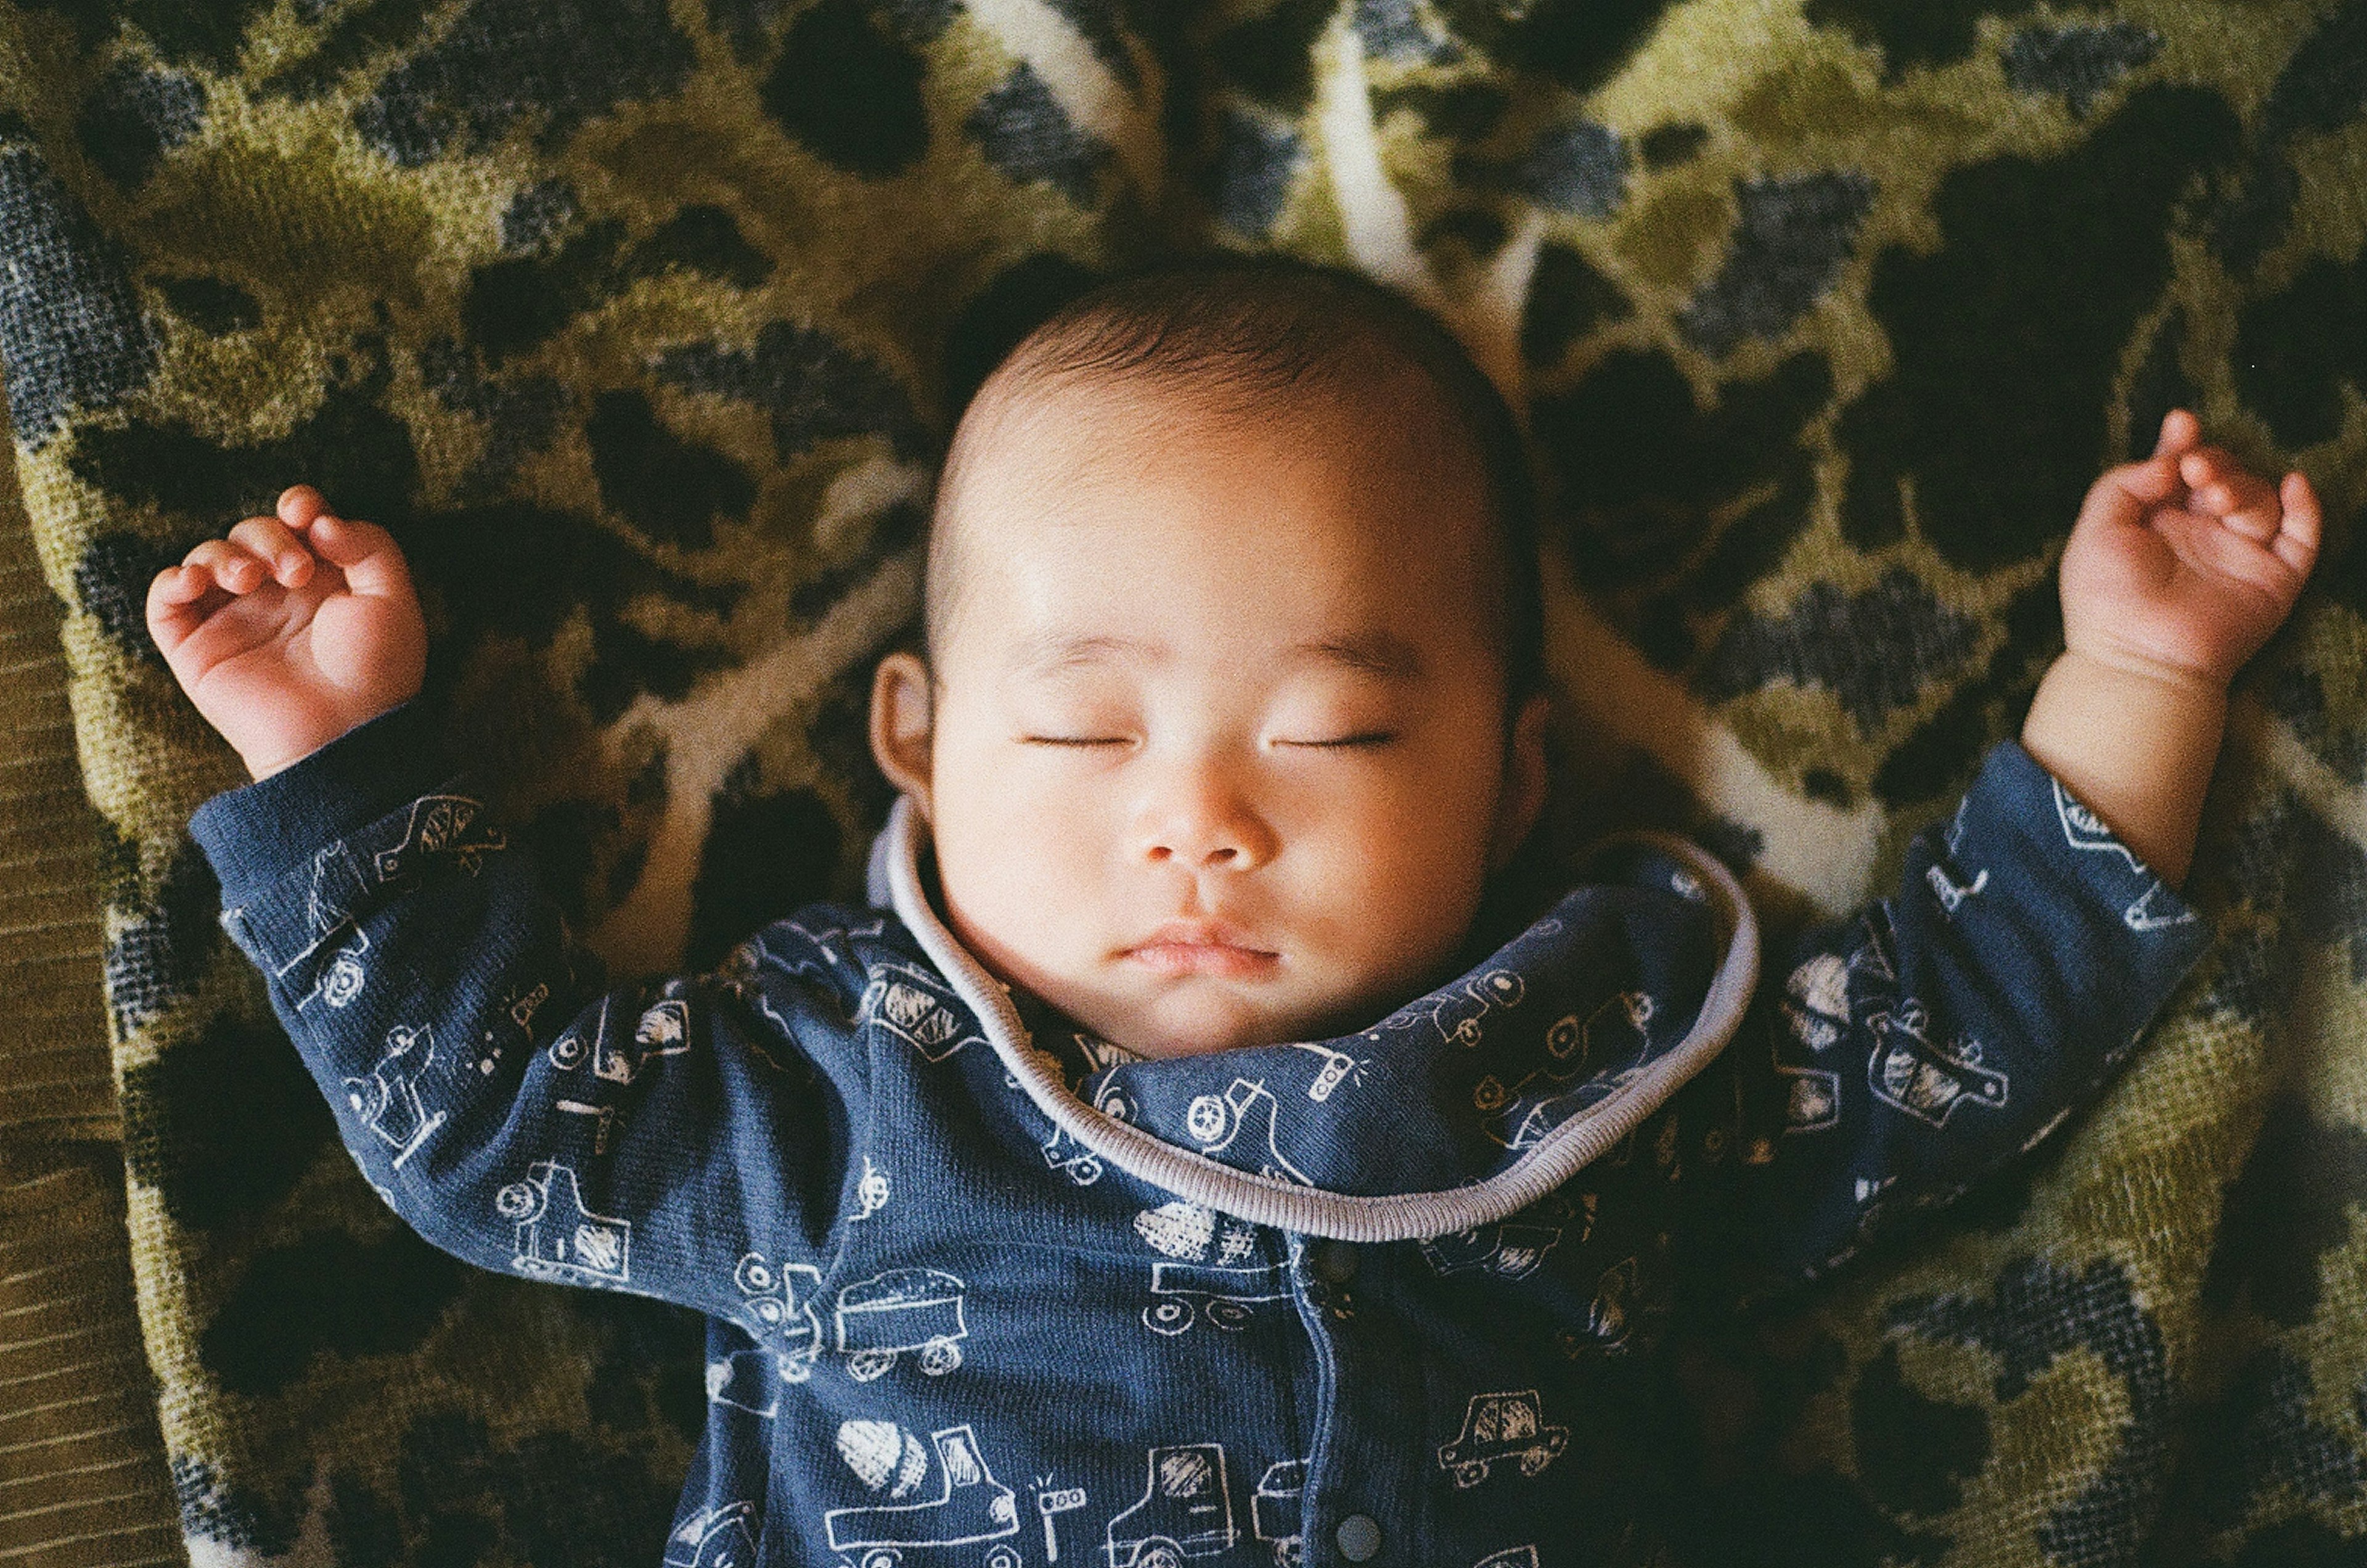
{"x": 1203, "y": 826}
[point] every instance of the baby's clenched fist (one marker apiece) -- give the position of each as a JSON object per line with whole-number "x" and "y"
{"x": 2181, "y": 566}
{"x": 292, "y": 631}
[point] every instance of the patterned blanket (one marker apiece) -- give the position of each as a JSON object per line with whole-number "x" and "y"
{"x": 640, "y": 323}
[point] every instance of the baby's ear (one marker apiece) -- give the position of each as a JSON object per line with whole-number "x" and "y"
{"x": 1525, "y": 782}
{"x": 903, "y": 725}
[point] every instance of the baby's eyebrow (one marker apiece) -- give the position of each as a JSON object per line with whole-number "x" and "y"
{"x": 1053, "y": 653}
{"x": 1374, "y": 652}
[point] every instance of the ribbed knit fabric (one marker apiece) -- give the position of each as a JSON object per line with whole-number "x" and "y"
{"x": 83, "y": 1478}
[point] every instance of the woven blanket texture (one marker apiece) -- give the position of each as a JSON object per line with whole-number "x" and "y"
{"x": 641, "y": 324}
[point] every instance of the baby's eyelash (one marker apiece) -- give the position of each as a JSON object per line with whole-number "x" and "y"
{"x": 1073, "y": 740}
{"x": 1368, "y": 737}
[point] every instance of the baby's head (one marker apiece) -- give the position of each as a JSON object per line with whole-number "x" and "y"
{"x": 1232, "y": 696}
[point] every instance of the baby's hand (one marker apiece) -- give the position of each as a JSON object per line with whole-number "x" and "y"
{"x": 2181, "y": 566}
{"x": 291, "y": 631}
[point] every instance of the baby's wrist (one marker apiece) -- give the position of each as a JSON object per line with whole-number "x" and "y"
{"x": 2103, "y": 663}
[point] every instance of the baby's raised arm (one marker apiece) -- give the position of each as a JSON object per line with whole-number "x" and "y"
{"x": 2178, "y": 569}
{"x": 292, "y": 631}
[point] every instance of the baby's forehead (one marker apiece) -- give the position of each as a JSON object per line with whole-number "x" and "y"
{"x": 1376, "y": 421}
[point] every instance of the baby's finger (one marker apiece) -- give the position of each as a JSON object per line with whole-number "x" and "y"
{"x": 2124, "y": 493}
{"x": 176, "y": 604}
{"x": 2302, "y": 526}
{"x": 178, "y": 585}
{"x": 298, "y": 504}
{"x": 270, "y": 540}
{"x": 365, "y": 552}
{"x": 2244, "y": 502}
{"x": 2180, "y": 430}
{"x": 227, "y": 564}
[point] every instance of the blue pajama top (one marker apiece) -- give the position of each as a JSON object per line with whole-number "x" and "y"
{"x": 983, "y": 1291}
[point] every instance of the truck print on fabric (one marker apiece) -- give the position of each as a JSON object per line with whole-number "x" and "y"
{"x": 716, "y": 1537}
{"x": 1519, "y": 1115}
{"x": 904, "y": 1310}
{"x": 662, "y": 1031}
{"x": 1927, "y": 1080}
{"x": 1498, "y": 1427}
{"x": 971, "y": 1507}
{"x": 1185, "y": 1511}
{"x": 558, "y": 1237}
{"x": 913, "y": 1008}
{"x": 779, "y": 1311}
{"x": 388, "y": 1100}
{"x": 440, "y": 828}
{"x": 1189, "y": 1292}
{"x": 1218, "y": 1120}
{"x": 2155, "y": 907}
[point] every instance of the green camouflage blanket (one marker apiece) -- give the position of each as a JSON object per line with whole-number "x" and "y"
{"x": 639, "y": 324}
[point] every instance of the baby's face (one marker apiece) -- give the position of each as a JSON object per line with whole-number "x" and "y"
{"x": 1218, "y": 752}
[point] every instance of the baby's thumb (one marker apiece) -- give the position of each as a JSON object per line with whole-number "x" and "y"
{"x": 365, "y": 552}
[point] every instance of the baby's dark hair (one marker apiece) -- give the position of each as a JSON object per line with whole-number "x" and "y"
{"x": 1258, "y": 330}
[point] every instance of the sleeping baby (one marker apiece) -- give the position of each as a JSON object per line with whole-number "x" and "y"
{"x": 1195, "y": 1150}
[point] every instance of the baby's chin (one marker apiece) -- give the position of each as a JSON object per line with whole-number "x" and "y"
{"x": 1201, "y": 1022}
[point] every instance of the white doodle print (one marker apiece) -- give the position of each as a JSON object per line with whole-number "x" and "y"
{"x": 1111, "y": 1102}
{"x": 1814, "y": 1101}
{"x": 1277, "y": 1511}
{"x": 604, "y": 1120}
{"x": 883, "y": 1456}
{"x": 1456, "y": 1014}
{"x": 1950, "y": 893}
{"x": 662, "y": 1030}
{"x": 870, "y": 1191}
{"x": 744, "y": 1381}
{"x": 1511, "y": 1557}
{"x": 1190, "y": 1231}
{"x": 2083, "y": 829}
{"x": 1051, "y": 1502}
{"x": 558, "y": 1237}
{"x": 903, "y": 1309}
{"x": 340, "y": 977}
{"x": 1189, "y": 1291}
{"x": 1870, "y": 1187}
{"x": 1100, "y": 1054}
{"x": 1072, "y": 1158}
{"x": 1926, "y": 1080}
{"x": 779, "y": 1311}
{"x": 1216, "y": 1120}
{"x": 1185, "y": 1511}
{"x": 342, "y": 981}
{"x": 1338, "y": 1068}
{"x": 388, "y": 1100}
{"x": 1498, "y": 1427}
{"x": 1815, "y": 1009}
{"x": 1506, "y": 1249}
{"x": 521, "y": 1007}
{"x": 439, "y": 826}
{"x": 1816, "y": 1002}
{"x": 715, "y": 1538}
{"x": 2144, "y": 916}
{"x": 909, "y": 1005}
{"x": 1518, "y": 1115}
{"x": 971, "y": 1507}
{"x": 1615, "y": 1292}
{"x": 823, "y": 942}
{"x": 337, "y": 978}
